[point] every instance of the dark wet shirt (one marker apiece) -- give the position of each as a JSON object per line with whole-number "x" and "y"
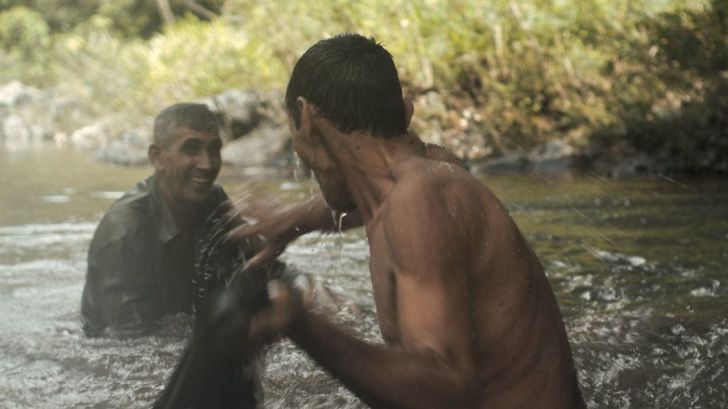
{"x": 140, "y": 263}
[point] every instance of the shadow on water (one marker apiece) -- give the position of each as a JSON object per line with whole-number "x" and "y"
{"x": 638, "y": 267}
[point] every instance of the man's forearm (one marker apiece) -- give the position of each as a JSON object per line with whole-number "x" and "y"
{"x": 379, "y": 375}
{"x": 315, "y": 215}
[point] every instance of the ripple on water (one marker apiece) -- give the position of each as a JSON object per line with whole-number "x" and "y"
{"x": 56, "y": 198}
{"x": 31, "y": 242}
{"x": 112, "y": 195}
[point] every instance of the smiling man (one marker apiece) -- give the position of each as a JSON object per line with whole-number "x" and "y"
{"x": 142, "y": 257}
{"x": 141, "y": 261}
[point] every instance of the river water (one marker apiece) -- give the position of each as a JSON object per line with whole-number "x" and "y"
{"x": 639, "y": 266}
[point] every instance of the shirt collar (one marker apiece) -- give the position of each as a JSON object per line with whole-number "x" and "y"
{"x": 168, "y": 228}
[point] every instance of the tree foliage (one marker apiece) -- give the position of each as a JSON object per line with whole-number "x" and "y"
{"x": 646, "y": 75}
{"x": 24, "y": 37}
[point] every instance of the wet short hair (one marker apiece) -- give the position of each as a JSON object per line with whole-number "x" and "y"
{"x": 183, "y": 115}
{"x": 353, "y": 82}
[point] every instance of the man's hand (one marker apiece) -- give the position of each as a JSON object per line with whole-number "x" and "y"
{"x": 269, "y": 243}
{"x": 272, "y": 322}
{"x": 270, "y": 226}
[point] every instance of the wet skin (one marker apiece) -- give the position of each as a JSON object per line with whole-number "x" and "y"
{"x": 466, "y": 312}
{"x": 453, "y": 276}
{"x": 187, "y": 168}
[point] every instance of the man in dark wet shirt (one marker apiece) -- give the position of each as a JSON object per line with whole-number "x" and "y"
{"x": 141, "y": 260}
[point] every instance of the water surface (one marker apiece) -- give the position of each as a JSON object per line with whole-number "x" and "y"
{"x": 638, "y": 266}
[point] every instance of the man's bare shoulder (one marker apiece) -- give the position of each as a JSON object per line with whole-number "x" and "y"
{"x": 425, "y": 177}
{"x": 426, "y": 187}
{"x": 439, "y": 153}
{"x": 432, "y": 189}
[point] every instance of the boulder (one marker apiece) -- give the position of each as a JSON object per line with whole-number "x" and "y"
{"x": 240, "y": 110}
{"x": 262, "y": 147}
{"x": 552, "y": 157}
{"x": 18, "y": 129}
{"x": 17, "y": 133}
{"x": 91, "y": 137}
{"x": 15, "y": 94}
{"x": 625, "y": 164}
{"x": 129, "y": 149}
{"x": 512, "y": 162}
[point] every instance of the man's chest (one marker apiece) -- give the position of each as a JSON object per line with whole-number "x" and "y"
{"x": 175, "y": 273}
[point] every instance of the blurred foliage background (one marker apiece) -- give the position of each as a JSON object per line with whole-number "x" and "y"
{"x": 616, "y": 76}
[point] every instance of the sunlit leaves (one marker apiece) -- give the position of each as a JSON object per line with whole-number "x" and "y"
{"x": 530, "y": 71}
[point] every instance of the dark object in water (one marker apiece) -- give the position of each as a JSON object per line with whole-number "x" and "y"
{"x": 217, "y": 369}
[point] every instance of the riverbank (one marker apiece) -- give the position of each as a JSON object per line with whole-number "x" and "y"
{"x": 609, "y": 87}
{"x": 256, "y": 135}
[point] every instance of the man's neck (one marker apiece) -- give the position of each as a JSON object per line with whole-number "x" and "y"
{"x": 183, "y": 213}
{"x": 371, "y": 165}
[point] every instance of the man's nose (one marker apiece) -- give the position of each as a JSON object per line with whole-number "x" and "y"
{"x": 204, "y": 161}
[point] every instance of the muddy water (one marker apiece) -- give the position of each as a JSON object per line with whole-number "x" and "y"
{"x": 638, "y": 266}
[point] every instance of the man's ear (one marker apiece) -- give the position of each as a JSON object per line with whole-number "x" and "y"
{"x": 154, "y": 153}
{"x": 291, "y": 124}
{"x": 303, "y": 142}
{"x": 306, "y": 110}
{"x": 409, "y": 110}
{"x": 312, "y": 133}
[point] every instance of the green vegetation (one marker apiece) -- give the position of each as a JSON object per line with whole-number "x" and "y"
{"x": 613, "y": 75}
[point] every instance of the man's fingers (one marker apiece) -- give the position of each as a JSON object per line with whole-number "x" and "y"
{"x": 241, "y": 232}
{"x": 261, "y": 329}
{"x": 232, "y": 214}
{"x": 278, "y": 290}
{"x": 259, "y": 260}
{"x": 272, "y": 321}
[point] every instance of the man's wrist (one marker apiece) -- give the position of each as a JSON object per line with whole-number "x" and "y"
{"x": 311, "y": 216}
{"x": 299, "y": 324}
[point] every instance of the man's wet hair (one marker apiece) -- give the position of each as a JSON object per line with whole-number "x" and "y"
{"x": 189, "y": 115}
{"x": 353, "y": 82}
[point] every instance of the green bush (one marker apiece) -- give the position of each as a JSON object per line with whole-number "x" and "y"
{"x": 647, "y": 73}
{"x": 24, "y": 40}
{"x": 195, "y": 59}
{"x": 531, "y": 71}
{"x": 126, "y": 17}
{"x": 671, "y": 99}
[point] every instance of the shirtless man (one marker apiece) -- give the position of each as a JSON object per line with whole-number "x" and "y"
{"x": 467, "y": 315}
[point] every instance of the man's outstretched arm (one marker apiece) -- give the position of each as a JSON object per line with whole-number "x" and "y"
{"x": 383, "y": 376}
{"x": 428, "y": 373}
{"x": 431, "y": 363}
{"x": 276, "y": 230}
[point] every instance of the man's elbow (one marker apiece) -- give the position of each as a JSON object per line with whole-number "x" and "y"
{"x": 456, "y": 383}
{"x": 461, "y": 391}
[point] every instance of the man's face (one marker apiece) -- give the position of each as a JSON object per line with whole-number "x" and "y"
{"x": 189, "y": 166}
{"x": 329, "y": 177}
{"x": 335, "y": 191}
